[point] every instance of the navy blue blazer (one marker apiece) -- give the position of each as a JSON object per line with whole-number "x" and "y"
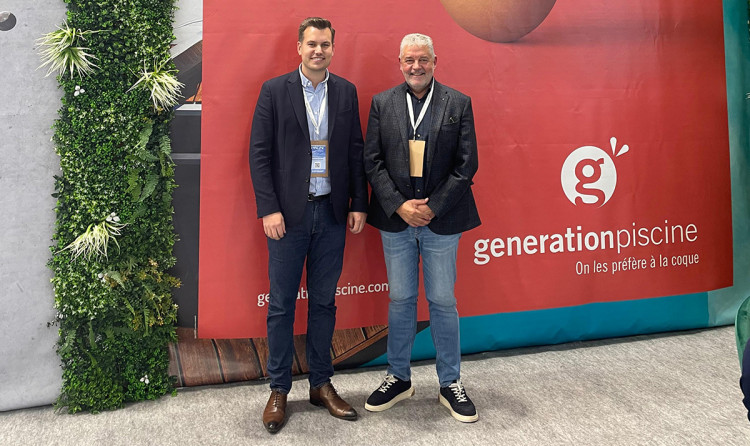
{"x": 280, "y": 153}
{"x": 450, "y": 161}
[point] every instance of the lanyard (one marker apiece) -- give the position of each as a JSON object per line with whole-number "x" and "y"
{"x": 424, "y": 109}
{"x": 316, "y": 123}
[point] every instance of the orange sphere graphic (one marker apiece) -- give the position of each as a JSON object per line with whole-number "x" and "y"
{"x": 498, "y": 20}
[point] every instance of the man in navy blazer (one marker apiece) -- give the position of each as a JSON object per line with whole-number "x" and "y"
{"x": 309, "y": 181}
{"x": 420, "y": 158}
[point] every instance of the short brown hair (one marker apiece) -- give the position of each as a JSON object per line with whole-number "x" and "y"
{"x": 315, "y": 22}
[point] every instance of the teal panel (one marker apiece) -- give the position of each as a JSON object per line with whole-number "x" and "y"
{"x": 559, "y": 325}
{"x": 723, "y": 304}
{"x": 742, "y": 328}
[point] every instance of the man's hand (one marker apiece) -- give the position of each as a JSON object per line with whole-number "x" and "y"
{"x": 273, "y": 226}
{"x": 425, "y": 210}
{"x": 356, "y": 221}
{"x": 415, "y": 212}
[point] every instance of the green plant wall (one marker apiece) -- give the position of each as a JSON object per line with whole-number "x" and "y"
{"x": 114, "y": 192}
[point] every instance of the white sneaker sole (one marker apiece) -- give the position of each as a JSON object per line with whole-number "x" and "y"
{"x": 458, "y": 416}
{"x": 408, "y": 393}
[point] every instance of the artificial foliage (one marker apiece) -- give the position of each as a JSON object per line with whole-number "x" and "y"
{"x": 114, "y": 236}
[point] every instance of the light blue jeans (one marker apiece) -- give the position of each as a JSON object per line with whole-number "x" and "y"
{"x": 402, "y": 252}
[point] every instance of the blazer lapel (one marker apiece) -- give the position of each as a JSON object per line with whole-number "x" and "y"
{"x": 333, "y": 105}
{"x": 294, "y": 87}
{"x": 438, "y": 104}
{"x": 398, "y": 102}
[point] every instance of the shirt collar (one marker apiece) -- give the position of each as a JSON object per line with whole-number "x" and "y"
{"x": 307, "y": 82}
{"x": 426, "y": 92}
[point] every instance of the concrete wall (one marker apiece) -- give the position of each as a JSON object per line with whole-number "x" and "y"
{"x": 29, "y": 367}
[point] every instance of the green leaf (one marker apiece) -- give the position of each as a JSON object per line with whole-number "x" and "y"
{"x": 117, "y": 277}
{"x": 130, "y": 307}
{"x": 145, "y": 134}
{"x": 146, "y": 317}
{"x": 151, "y": 181}
{"x": 134, "y": 184}
{"x": 163, "y": 163}
{"x": 92, "y": 336}
{"x": 67, "y": 346}
{"x": 165, "y": 145}
{"x": 144, "y": 155}
{"x": 140, "y": 211}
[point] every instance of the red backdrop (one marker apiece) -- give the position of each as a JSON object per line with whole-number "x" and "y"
{"x": 648, "y": 72}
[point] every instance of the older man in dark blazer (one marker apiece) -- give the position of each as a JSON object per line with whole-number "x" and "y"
{"x": 309, "y": 182}
{"x": 420, "y": 158}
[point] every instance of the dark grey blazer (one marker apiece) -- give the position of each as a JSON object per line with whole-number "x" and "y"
{"x": 280, "y": 153}
{"x": 450, "y": 161}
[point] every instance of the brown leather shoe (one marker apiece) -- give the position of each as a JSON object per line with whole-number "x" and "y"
{"x": 327, "y": 397}
{"x": 274, "y": 414}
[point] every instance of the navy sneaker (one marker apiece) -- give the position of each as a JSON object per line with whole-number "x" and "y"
{"x": 390, "y": 392}
{"x": 454, "y": 397}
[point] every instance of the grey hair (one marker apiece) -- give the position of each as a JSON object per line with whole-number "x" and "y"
{"x": 417, "y": 40}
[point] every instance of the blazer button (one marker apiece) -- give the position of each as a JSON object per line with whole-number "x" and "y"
{"x": 307, "y": 180}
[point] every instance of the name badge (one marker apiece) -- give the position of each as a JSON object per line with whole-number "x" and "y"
{"x": 319, "y": 158}
{"x": 416, "y": 157}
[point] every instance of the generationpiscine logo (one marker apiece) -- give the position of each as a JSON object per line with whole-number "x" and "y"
{"x": 588, "y": 178}
{"x": 589, "y": 175}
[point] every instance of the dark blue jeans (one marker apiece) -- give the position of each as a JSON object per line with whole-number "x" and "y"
{"x": 318, "y": 243}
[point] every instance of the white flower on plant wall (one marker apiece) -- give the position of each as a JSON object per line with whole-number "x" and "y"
{"x": 78, "y": 90}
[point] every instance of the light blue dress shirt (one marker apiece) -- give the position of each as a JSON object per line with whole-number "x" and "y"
{"x": 318, "y": 185}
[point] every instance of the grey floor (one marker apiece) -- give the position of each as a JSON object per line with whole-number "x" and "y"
{"x": 670, "y": 389}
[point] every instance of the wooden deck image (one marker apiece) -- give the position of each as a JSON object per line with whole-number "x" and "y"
{"x": 197, "y": 362}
